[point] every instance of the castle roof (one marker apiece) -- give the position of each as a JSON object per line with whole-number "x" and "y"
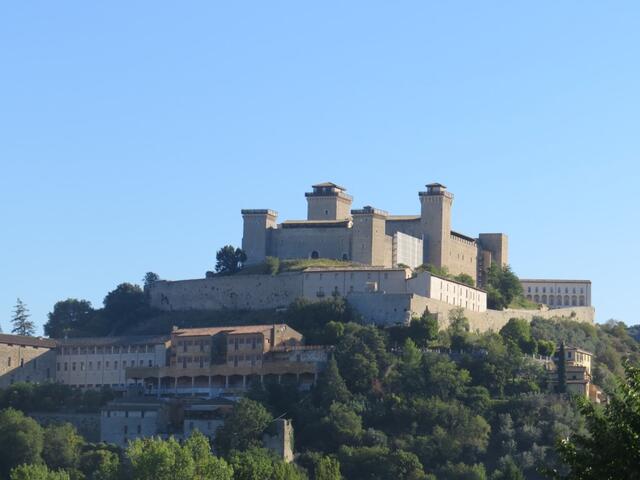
{"x": 327, "y": 184}
{"x": 315, "y": 223}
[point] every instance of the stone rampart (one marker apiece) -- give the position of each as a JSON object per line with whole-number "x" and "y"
{"x": 397, "y": 309}
{"x": 237, "y": 292}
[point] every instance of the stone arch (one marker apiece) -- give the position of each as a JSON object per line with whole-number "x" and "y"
{"x": 574, "y": 301}
{"x": 559, "y": 300}
{"x": 544, "y": 299}
{"x": 567, "y": 301}
{"x": 551, "y": 300}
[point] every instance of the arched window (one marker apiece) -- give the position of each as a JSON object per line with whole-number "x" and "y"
{"x": 536, "y": 298}
{"x": 544, "y": 299}
{"x": 566, "y": 300}
{"x": 559, "y": 300}
{"x": 582, "y": 300}
{"x": 315, "y": 254}
{"x": 574, "y": 301}
{"x": 551, "y": 300}
{"x": 528, "y": 297}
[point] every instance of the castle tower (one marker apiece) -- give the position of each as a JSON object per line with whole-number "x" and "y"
{"x": 328, "y": 201}
{"x": 256, "y": 233}
{"x": 436, "y": 223}
{"x": 368, "y": 241}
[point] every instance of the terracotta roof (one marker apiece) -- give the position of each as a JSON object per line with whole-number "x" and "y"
{"x": 240, "y": 329}
{"x": 27, "y": 341}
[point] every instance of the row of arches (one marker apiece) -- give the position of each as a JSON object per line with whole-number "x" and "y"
{"x": 559, "y": 300}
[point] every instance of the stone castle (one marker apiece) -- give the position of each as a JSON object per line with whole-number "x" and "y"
{"x": 370, "y": 236}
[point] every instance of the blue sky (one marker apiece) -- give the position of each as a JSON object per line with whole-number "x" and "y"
{"x": 132, "y": 133}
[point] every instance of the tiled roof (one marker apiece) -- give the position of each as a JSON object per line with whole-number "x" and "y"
{"x": 210, "y": 331}
{"x": 125, "y": 340}
{"x": 27, "y": 341}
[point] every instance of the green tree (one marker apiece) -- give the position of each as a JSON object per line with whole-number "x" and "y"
{"x": 243, "y": 428}
{"x": 343, "y": 424}
{"x": 124, "y": 306}
{"x": 461, "y": 471}
{"x": 561, "y": 370}
{"x": 327, "y": 468}
{"x": 611, "y": 448}
{"x": 260, "y": 464}
{"x": 62, "y": 446}
{"x": 100, "y": 464}
{"x": 20, "y": 320}
{"x": 424, "y": 330}
{"x": 518, "y": 332}
{"x": 503, "y": 286}
{"x": 37, "y": 472}
{"x": 229, "y": 259}
{"x": 21, "y": 440}
{"x": 465, "y": 278}
{"x": 155, "y": 459}
{"x": 149, "y": 279}
{"x": 331, "y": 387}
{"x": 67, "y": 316}
{"x": 207, "y": 466}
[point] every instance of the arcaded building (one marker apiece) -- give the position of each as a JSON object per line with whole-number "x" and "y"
{"x": 558, "y": 293}
{"x": 371, "y": 236}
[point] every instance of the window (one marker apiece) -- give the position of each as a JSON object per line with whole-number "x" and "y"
{"x": 90, "y": 365}
{"x": 9, "y": 362}
{"x": 98, "y": 365}
{"x": 106, "y": 364}
{"x": 66, "y": 366}
{"x": 57, "y": 366}
{"x": 151, "y": 363}
{"x": 73, "y": 366}
{"x": 315, "y": 254}
{"x": 115, "y": 365}
{"x": 126, "y": 429}
{"x": 139, "y": 429}
{"x": 82, "y": 366}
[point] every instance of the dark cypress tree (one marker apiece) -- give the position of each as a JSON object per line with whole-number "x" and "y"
{"x": 562, "y": 370}
{"x": 331, "y": 386}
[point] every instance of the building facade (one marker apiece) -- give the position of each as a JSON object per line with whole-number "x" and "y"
{"x": 217, "y": 360}
{"x": 102, "y": 361}
{"x": 558, "y": 293}
{"x": 371, "y": 236}
{"x": 26, "y": 359}
{"x": 578, "y": 378}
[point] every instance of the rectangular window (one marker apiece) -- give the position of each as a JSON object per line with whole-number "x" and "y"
{"x": 82, "y": 366}
{"x": 98, "y": 365}
{"x": 106, "y": 364}
{"x": 151, "y": 363}
{"x": 115, "y": 365}
{"x": 73, "y": 366}
{"x": 66, "y": 366}
{"x": 9, "y": 362}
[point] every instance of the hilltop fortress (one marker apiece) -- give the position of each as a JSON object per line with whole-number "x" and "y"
{"x": 372, "y": 256}
{"x": 370, "y": 236}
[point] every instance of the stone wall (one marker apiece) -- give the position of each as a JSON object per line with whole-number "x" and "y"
{"x": 26, "y": 363}
{"x": 397, "y": 309}
{"x": 328, "y": 242}
{"x": 237, "y": 292}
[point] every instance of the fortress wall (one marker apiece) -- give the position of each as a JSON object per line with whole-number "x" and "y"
{"x": 462, "y": 257}
{"x": 408, "y": 227}
{"x": 396, "y": 309}
{"x": 240, "y": 292}
{"x": 329, "y": 242}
